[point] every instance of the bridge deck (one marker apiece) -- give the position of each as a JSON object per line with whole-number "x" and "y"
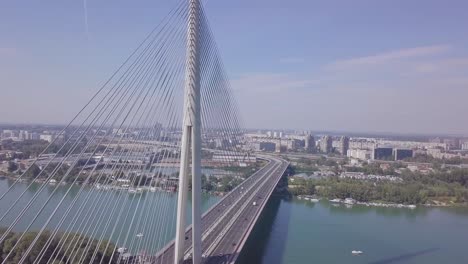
{"x": 227, "y": 224}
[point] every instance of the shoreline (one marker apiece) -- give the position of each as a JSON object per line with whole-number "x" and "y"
{"x": 351, "y": 202}
{"x": 99, "y": 186}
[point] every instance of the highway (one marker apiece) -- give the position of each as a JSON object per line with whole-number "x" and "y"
{"x": 226, "y": 225}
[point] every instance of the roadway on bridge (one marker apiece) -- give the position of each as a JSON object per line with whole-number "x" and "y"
{"x": 226, "y": 226}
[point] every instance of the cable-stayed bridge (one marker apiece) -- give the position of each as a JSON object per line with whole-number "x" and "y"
{"x": 114, "y": 185}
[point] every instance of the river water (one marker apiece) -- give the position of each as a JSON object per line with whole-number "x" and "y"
{"x": 289, "y": 230}
{"x": 142, "y": 222}
{"x": 297, "y": 231}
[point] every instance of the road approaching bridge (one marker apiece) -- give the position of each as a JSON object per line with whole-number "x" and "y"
{"x": 227, "y": 225}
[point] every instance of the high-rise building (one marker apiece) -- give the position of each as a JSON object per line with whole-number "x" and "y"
{"x": 452, "y": 143}
{"x": 278, "y": 146}
{"x": 344, "y": 145}
{"x": 34, "y": 136}
{"x": 23, "y": 135}
{"x": 383, "y": 153}
{"x": 465, "y": 145}
{"x": 309, "y": 143}
{"x": 8, "y": 133}
{"x": 401, "y": 154}
{"x": 267, "y": 146}
{"x": 326, "y": 144}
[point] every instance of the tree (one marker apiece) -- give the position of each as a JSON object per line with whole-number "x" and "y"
{"x": 141, "y": 180}
{"x": 32, "y": 172}
{"x": 12, "y": 166}
{"x": 103, "y": 255}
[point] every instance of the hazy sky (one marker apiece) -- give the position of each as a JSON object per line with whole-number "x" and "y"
{"x": 393, "y": 66}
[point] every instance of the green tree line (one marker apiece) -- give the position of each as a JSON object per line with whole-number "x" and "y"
{"x": 416, "y": 188}
{"x": 55, "y": 249}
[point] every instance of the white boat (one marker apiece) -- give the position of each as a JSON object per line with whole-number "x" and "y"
{"x": 412, "y": 206}
{"x": 335, "y": 200}
{"x": 349, "y": 201}
{"x": 139, "y": 235}
{"x": 356, "y": 252}
{"x": 314, "y": 200}
{"x": 122, "y": 250}
{"x": 152, "y": 189}
{"x": 132, "y": 190}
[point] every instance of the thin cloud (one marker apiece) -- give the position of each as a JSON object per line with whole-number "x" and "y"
{"x": 428, "y": 84}
{"x": 292, "y": 60}
{"x": 269, "y": 82}
{"x": 85, "y": 7}
{"x": 391, "y": 56}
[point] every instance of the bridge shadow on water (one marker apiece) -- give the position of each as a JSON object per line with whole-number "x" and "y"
{"x": 226, "y": 258}
{"x": 404, "y": 257}
{"x": 255, "y": 248}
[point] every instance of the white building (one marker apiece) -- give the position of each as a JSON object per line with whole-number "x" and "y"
{"x": 23, "y": 135}
{"x": 360, "y": 154}
{"x": 117, "y": 131}
{"x": 465, "y": 146}
{"x": 34, "y": 136}
{"x": 7, "y": 133}
{"x": 47, "y": 137}
{"x": 439, "y": 154}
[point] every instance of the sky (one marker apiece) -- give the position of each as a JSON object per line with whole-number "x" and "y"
{"x": 362, "y": 66}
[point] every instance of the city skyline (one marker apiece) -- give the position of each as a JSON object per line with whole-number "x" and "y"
{"x": 385, "y": 79}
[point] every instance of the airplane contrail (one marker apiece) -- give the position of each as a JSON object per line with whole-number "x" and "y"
{"x": 86, "y": 18}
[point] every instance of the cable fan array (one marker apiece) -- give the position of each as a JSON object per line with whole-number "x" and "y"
{"x": 103, "y": 191}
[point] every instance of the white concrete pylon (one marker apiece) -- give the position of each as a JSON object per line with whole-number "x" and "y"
{"x": 191, "y": 137}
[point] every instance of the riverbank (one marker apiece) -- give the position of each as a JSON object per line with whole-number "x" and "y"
{"x": 424, "y": 191}
{"x": 350, "y": 201}
{"x": 108, "y": 187}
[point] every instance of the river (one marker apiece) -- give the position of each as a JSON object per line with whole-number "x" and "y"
{"x": 298, "y": 231}
{"x": 107, "y": 213}
{"x": 289, "y": 230}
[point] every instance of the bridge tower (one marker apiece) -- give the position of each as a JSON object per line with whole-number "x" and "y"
{"x": 191, "y": 142}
